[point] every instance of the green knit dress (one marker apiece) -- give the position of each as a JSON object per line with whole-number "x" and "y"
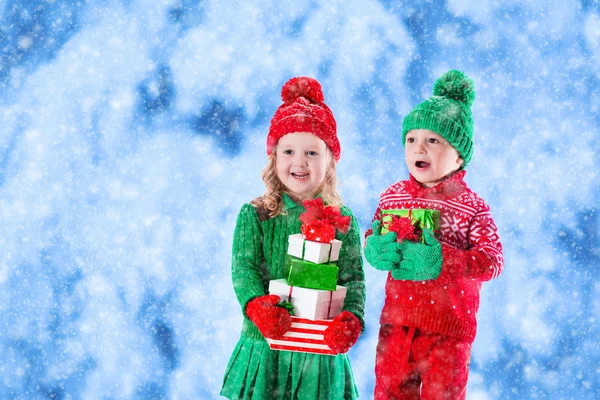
{"x": 254, "y": 370}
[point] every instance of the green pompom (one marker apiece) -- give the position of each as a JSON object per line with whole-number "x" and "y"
{"x": 455, "y": 85}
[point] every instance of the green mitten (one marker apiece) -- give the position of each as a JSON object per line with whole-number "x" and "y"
{"x": 382, "y": 251}
{"x": 420, "y": 261}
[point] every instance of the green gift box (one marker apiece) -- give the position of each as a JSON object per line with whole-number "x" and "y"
{"x": 309, "y": 275}
{"x": 420, "y": 217}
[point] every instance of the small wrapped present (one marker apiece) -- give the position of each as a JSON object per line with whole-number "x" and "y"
{"x": 409, "y": 224}
{"x": 305, "y": 336}
{"x": 315, "y": 252}
{"x": 309, "y": 275}
{"x": 310, "y": 303}
{"x": 319, "y": 222}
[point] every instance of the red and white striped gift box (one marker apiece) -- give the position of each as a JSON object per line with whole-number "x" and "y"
{"x": 305, "y": 336}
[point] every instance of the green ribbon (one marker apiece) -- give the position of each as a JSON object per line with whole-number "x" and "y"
{"x": 287, "y": 305}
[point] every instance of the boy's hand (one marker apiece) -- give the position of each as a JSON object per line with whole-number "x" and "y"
{"x": 383, "y": 252}
{"x": 420, "y": 261}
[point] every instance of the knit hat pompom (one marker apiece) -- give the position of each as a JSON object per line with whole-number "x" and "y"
{"x": 455, "y": 85}
{"x": 302, "y": 86}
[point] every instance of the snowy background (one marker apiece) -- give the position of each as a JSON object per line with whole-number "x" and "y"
{"x": 132, "y": 132}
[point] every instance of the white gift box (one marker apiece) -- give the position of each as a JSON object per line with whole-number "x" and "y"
{"x": 316, "y": 252}
{"x": 311, "y": 304}
{"x": 305, "y": 336}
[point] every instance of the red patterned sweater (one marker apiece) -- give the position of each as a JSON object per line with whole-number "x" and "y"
{"x": 471, "y": 251}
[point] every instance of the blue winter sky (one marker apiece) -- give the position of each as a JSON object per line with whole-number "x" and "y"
{"x": 132, "y": 132}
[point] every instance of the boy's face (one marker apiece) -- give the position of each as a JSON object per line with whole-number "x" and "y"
{"x": 301, "y": 162}
{"x": 430, "y": 157}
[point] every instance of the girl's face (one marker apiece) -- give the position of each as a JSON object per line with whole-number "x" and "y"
{"x": 430, "y": 157}
{"x": 301, "y": 162}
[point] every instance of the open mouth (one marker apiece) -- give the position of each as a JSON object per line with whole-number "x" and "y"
{"x": 422, "y": 164}
{"x": 300, "y": 175}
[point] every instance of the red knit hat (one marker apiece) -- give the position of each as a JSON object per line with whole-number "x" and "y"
{"x": 303, "y": 110}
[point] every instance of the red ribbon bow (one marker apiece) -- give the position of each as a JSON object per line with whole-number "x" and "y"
{"x": 404, "y": 228}
{"x": 319, "y": 222}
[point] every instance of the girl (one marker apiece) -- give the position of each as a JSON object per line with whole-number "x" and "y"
{"x": 303, "y": 151}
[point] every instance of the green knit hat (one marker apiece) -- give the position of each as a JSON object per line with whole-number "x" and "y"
{"x": 447, "y": 113}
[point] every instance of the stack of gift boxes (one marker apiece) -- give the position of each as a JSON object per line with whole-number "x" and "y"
{"x": 310, "y": 283}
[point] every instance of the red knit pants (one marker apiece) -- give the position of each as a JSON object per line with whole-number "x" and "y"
{"x": 415, "y": 364}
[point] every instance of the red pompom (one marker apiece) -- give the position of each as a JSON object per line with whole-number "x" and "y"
{"x": 302, "y": 86}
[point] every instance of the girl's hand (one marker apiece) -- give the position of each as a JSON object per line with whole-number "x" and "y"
{"x": 343, "y": 332}
{"x": 270, "y": 319}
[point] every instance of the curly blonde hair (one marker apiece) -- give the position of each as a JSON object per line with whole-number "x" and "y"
{"x": 272, "y": 199}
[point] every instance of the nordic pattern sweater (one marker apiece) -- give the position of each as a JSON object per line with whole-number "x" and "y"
{"x": 471, "y": 252}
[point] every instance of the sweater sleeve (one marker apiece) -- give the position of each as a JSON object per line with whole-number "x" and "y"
{"x": 351, "y": 273}
{"x": 369, "y": 231}
{"x": 483, "y": 260}
{"x": 247, "y": 257}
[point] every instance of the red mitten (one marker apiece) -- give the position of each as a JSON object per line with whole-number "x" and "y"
{"x": 270, "y": 319}
{"x": 343, "y": 332}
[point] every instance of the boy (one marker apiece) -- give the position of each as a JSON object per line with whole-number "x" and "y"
{"x": 428, "y": 321}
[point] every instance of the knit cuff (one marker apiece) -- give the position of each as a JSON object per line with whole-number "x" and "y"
{"x": 250, "y": 330}
{"x": 304, "y": 123}
{"x": 440, "y": 124}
